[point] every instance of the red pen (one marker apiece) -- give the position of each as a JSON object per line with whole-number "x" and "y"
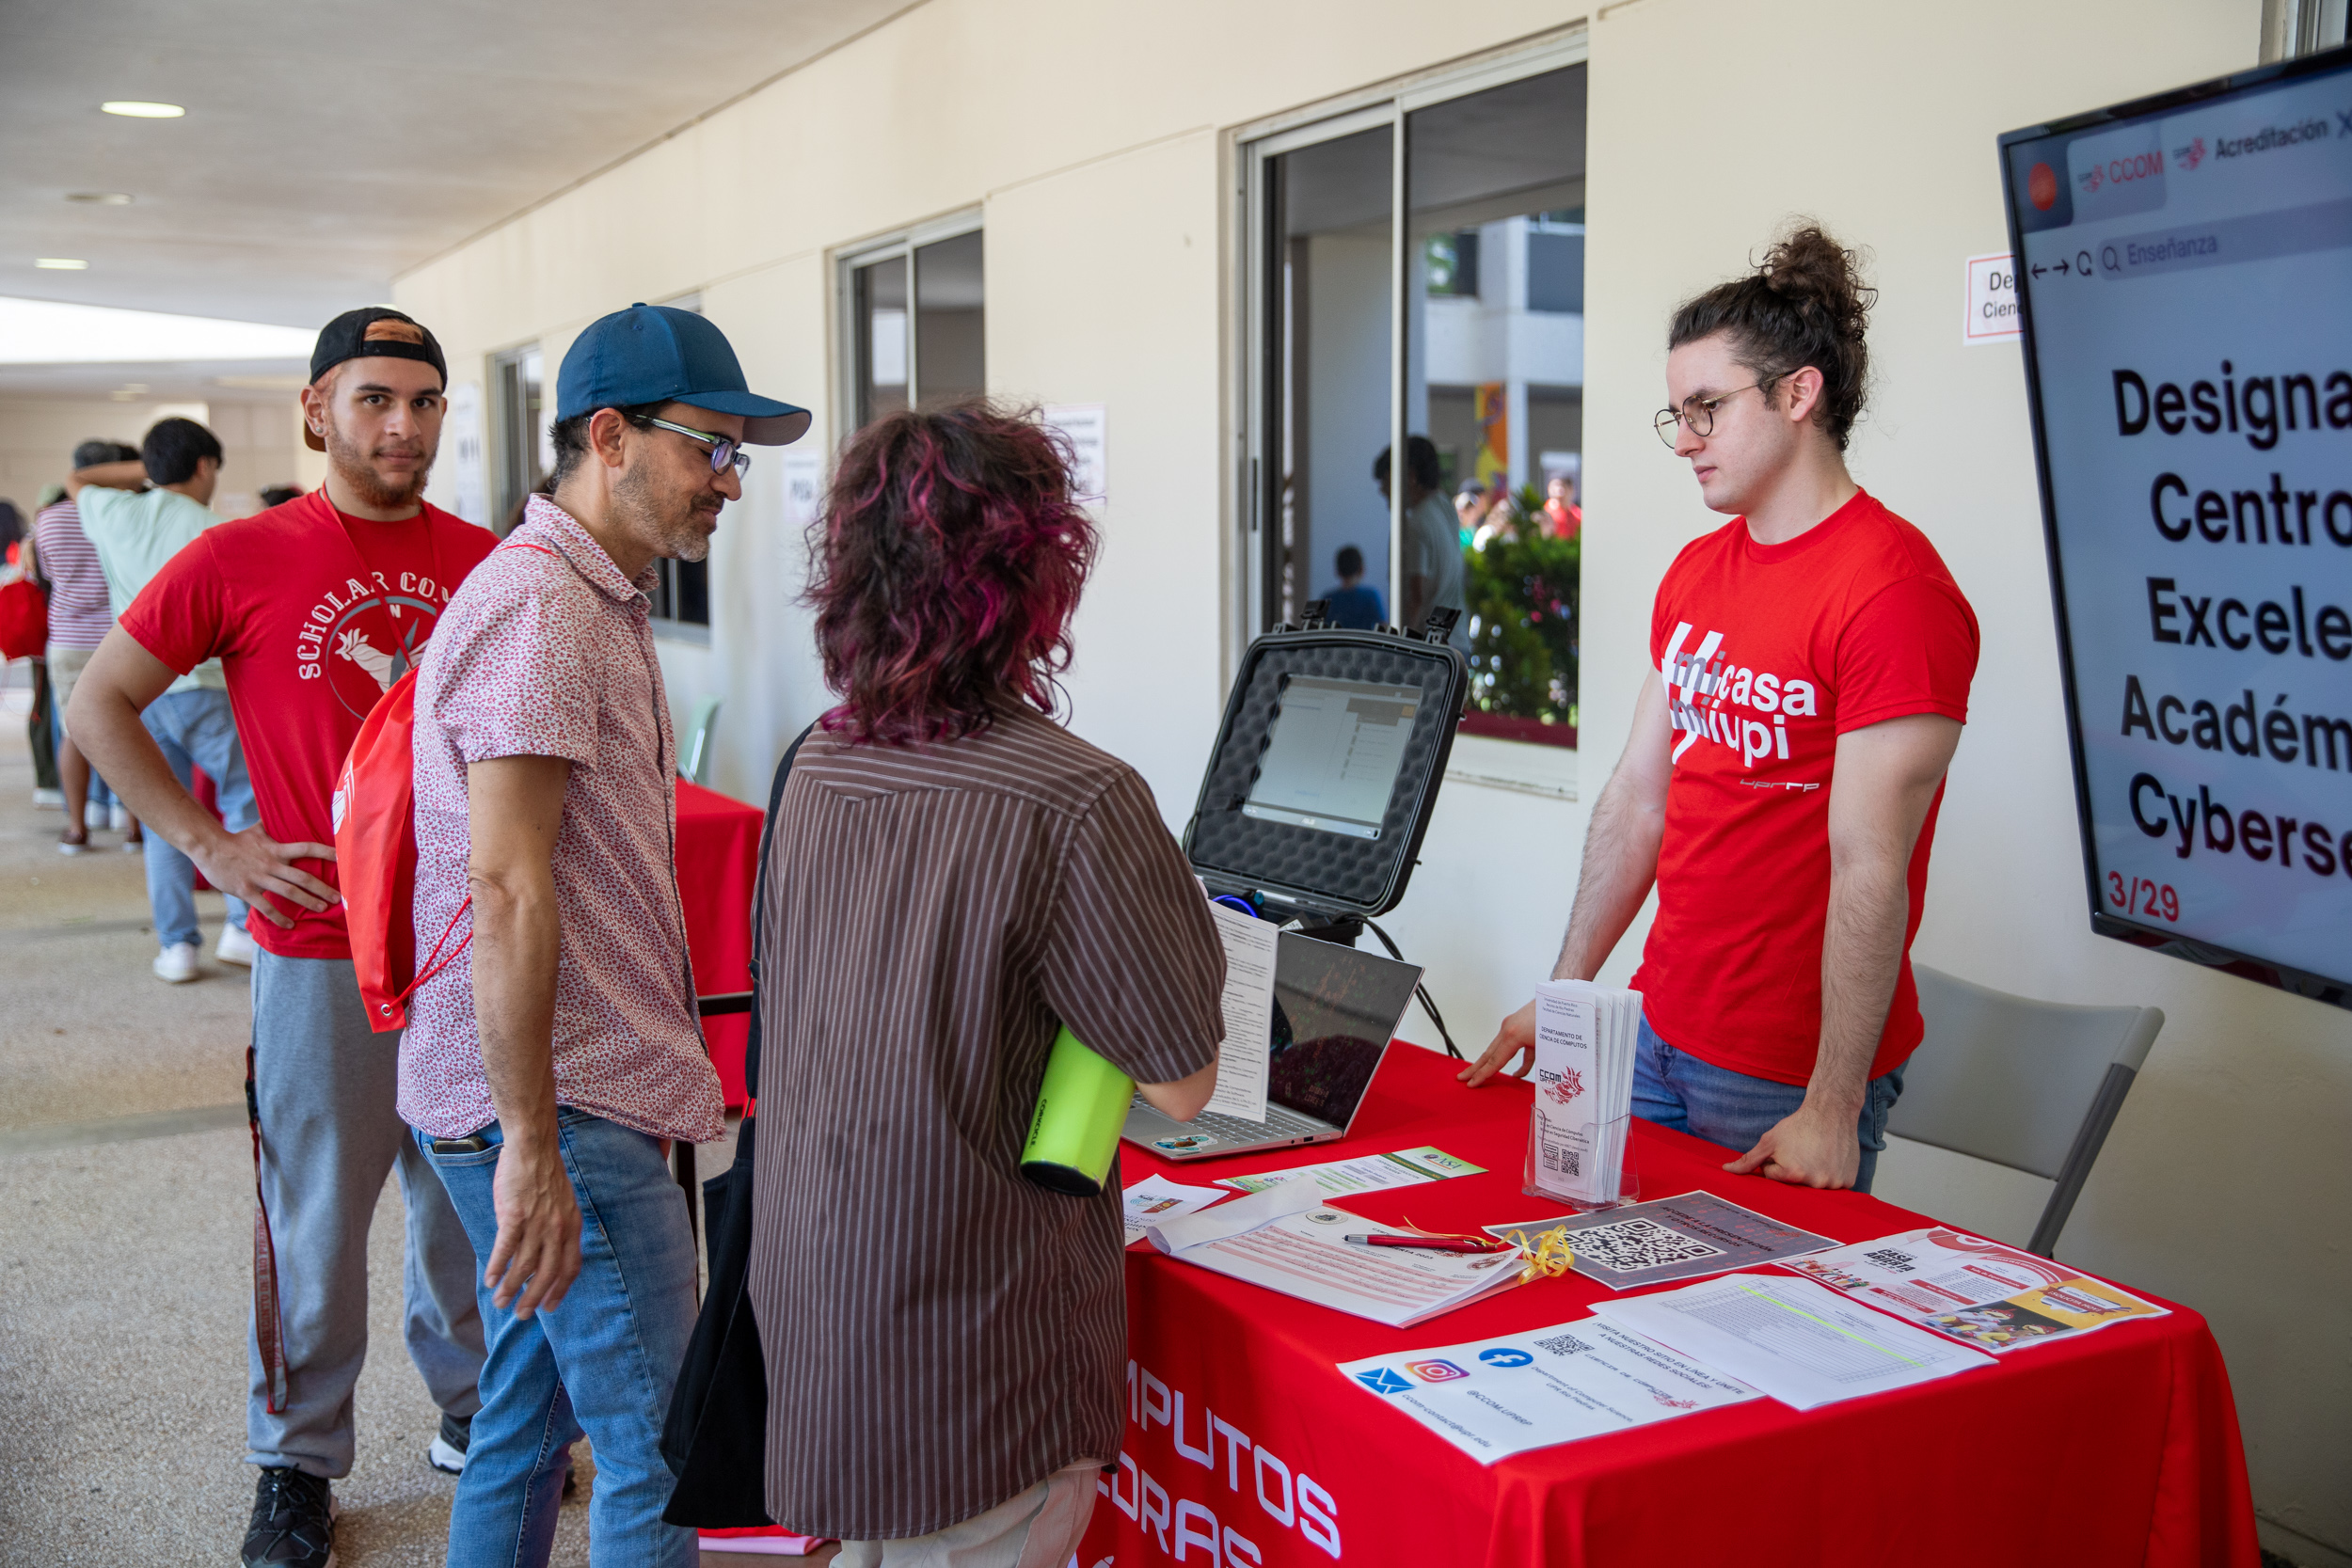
{"x": 1429, "y": 1244}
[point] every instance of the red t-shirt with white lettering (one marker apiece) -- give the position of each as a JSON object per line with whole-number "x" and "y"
{"x": 1769, "y": 653}
{"x": 313, "y": 613}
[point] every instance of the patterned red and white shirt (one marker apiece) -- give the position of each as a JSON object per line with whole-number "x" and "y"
{"x": 545, "y": 651}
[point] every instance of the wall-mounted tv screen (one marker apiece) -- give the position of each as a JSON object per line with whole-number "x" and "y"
{"x": 2185, "y": 274}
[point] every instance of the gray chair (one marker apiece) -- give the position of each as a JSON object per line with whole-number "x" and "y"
{"x": 2033, "y": 1086}
{"x": 694, "y": 752}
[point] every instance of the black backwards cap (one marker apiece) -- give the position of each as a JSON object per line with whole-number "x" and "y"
{"x": 375, "y": 331}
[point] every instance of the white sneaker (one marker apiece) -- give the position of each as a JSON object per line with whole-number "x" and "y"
{"x": 236, "y": 948}
{"x": 54, "y": 799}
{"x": 119, "y": 817}
{"x": 177, "y": 963}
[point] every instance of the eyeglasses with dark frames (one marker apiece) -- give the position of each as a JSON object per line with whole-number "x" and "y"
{"x": 1696, "y": 412}
{"x": 725, "y": 450}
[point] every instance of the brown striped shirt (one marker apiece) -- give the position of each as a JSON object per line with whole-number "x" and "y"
{"x": 940, "y": 1333}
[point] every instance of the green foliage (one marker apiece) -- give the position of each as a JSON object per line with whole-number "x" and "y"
{"x": 1523, "y": 590}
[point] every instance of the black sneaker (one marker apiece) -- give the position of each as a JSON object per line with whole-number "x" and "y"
{"x": 294, "y": 1521}
{"x": 447, "y": 1453}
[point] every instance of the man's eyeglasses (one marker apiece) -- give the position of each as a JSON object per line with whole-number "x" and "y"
{"x": 725, "y": 450}
{"x": 1698, "y": 413}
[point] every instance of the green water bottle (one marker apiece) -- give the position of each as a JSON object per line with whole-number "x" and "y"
{"x": 1080, "y": 1109}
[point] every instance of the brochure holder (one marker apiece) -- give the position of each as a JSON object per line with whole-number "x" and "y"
{"x": 1538, "y": 1169}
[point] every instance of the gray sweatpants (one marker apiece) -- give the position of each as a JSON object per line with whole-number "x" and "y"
{"x": 330, "y": 1135}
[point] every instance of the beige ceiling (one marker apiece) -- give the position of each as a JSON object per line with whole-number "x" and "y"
{"x": 328, "y": 144}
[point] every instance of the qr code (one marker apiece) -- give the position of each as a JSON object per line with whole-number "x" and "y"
{"x": 1562, "y": 1345}
{"x": 1887, "y": 1258}
{"x": 1630, "y": 1246}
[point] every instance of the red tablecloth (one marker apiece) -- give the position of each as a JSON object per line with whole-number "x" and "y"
{"x": 2121, "y": 1446}
{"x": 718, "y": 858}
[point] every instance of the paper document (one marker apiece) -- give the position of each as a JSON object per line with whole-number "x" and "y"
{"x": 1670, "y": 1239}
{"x": 1366, "y": 1173}
{"x": 1987, "y": 1294}
{"x": 1155, "y": 1198}
{"x": 1794, "y": 1340}
{"x": 1494, "y": 1398}
{"x": 1242, "y": 1062}
{"x": 1285, "y": 1239}
{"x": 1585, "y": 1042}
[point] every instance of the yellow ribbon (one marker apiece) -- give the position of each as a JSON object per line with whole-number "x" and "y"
{"x": 1546, "y": 1257}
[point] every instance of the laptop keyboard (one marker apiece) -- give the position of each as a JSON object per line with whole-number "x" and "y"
{"x": 1280, "y": 1122}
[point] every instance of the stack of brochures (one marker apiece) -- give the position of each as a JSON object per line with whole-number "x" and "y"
{"x": 1584, "y": 1043}
{"x": 1286, "y": 1240}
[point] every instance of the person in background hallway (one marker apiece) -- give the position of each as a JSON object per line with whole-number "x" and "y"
{"x": 544, "y": 1092}
{"x": 279, "y": 495}
{"x": 38, "y": 733}
{"x": 1432, "y": 540}
{"x": 306, "y": 658}
{"x": 946, "y": 1343}
{"x": 1563, "y": 517}
{"x": 1351, "y": 604}
{"x": 1811, "y": 663}
{"x": 135, "y": 532}
{"x": 79, "y": 618}
{"x": 11, "y": 531}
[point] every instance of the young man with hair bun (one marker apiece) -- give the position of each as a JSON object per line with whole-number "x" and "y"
{"x": 1811, "y": 663}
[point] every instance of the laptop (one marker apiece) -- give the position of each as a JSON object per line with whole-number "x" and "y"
{"x": 1335, "y": 1010}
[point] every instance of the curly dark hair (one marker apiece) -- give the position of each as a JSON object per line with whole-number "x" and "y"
{"x": 944, "y": 571}
{"x": 1804, "y": 304}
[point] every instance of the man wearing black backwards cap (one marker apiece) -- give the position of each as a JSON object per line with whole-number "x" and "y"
{"x": 314, "y": 608}
{"x": 547, "y": 777}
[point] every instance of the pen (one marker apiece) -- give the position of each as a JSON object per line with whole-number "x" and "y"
{"x": 1428, "y": 1243}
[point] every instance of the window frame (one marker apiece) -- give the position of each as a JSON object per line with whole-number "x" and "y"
{"x": 1250, "y": 591}
{"x": 900, "y": 243}
{"x": 515, "y": 443}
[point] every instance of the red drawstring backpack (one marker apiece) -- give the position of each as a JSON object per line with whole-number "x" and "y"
{"x": 376, "y": 859}
{"x": 376, "y": 856}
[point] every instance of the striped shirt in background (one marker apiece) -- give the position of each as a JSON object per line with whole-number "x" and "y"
{"x": 942, "y": 1334}
{"x": 79, "y": 613}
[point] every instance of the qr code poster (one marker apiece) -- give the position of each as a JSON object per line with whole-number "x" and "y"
{"x": 1632, "y": 1246}
{"x": 1672, "y": 1238}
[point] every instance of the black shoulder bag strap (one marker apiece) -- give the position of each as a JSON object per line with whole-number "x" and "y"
{"x": 716, "y": 1437}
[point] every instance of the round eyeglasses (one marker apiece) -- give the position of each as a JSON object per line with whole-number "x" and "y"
{"x": 725, "y": 450}
{"x": 1696, "y": 412}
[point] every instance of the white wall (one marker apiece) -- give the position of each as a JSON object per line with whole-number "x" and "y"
{"x": 1094, "y": 139}
{"x": 259, "y": 443}
{"x": 2223, "y": 1180}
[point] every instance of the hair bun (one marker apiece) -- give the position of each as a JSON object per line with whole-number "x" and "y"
{"x": 1806, "y": 268}
{"x": 1804, "y": 303}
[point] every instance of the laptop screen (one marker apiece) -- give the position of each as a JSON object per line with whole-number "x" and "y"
{"x": 1334, "y": 1011}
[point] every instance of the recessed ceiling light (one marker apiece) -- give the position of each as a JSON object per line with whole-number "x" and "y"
{"x": 137, "y": 110}
{"x": 60, "y": 263}
{"x": 100, "y": 198}
{"x": 134, "y": 385}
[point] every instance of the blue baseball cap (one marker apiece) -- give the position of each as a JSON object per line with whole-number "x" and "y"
{"x": 658, "y": 354}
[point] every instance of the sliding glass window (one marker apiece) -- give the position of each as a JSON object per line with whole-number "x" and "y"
{"x": 1416, "y": 285}
{"x": 913, "y": 320}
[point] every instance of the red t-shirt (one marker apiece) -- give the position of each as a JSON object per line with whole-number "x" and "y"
{"x": 1769, "y": 653}
{"x": 313, "y": 613}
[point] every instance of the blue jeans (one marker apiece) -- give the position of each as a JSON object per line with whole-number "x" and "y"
{"x": 1676, "y": 1089}
{"x": 194, "y": 729}
{"x": 602, "y": 1364}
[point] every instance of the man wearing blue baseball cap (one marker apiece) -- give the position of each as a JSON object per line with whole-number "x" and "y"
{"x": 548, "y": 1069}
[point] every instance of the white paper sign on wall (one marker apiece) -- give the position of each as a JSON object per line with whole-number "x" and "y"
{"x": 461, "y": 438}
{"x": 1087, "y": 425}
{"x": 804, "y": 489}
{"x": 1992, "y": 300}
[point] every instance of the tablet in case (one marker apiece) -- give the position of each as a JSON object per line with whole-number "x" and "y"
{"x": 1319, "y": 788}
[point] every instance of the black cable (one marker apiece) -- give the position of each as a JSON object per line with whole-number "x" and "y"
{"x": 1422, "y": 993}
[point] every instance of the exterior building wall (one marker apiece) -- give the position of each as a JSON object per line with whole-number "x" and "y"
{"x": 1098, "y": 141}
